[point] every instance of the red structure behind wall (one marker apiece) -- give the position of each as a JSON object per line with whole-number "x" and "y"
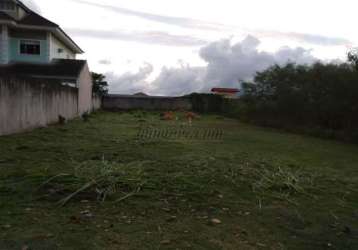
{"x": 226, "y": 92}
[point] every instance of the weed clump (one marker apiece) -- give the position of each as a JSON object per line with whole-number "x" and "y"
{"x": 282, "y": 182}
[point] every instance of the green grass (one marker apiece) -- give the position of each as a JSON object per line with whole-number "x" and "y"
{"x": 269, "y": 190}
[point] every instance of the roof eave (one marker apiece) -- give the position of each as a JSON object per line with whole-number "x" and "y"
{"x": 58, "y": 31}
{"x": 55, "y": 77}
{"x": 23, "y": 6}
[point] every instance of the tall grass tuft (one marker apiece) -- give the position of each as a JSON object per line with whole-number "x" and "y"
{"x": 282, "y": 181}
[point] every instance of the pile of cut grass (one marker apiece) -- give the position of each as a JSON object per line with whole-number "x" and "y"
{"x": 100, "y": 180}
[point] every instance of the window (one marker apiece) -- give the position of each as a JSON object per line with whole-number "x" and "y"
{"x": 30, "y": 47}
{"x": 7, "y": 5}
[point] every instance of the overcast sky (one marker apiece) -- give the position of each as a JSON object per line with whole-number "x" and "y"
{"x": 176, "y": 47}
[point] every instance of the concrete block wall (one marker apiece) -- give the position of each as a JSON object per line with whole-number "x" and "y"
{"x": 96, "y": 102}
{"x": 123, "y": 102}
{"x": 84, "y": 83}
{"x": 26, "y": 104}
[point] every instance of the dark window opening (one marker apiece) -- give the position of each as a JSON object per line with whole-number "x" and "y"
{"x": 7, "y": 5}
{"x": 30, "y": 47}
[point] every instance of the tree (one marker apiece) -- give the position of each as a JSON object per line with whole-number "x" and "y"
{"x": 353, "y": 57}
{"x": 100, "y": 85}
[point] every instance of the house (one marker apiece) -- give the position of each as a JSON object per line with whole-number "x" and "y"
{"x": 34, "y": 47}
{"x": 229, "y": 93}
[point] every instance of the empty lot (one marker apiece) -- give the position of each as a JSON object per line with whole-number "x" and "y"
{"x": 122, "y": 181}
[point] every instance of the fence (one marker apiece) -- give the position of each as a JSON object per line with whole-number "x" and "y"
{"x": 96, "y": 102}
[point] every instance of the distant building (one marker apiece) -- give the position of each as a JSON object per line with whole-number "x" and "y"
{"x": 32, "y": 46}
{"x": 229, "y": 93}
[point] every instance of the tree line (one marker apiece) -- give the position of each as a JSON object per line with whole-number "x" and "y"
{"x": 321, "y": 99}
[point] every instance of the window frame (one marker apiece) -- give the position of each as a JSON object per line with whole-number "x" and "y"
{"x": 36, "y": 42}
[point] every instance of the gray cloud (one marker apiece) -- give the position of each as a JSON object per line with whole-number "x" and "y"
{"x": 177, "y": 21}
{"x": 149, "y": 37}
{"x": 227, "y": 63}
{"x": 179, "y": 81}
{"x": 129, "y": 82}
{"x": 105, "y": 62}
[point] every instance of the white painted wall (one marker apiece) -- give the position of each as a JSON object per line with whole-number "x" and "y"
{"x": 84, "y": 83}
{"x": 25, "y": 104}
{"x": 20, "y": 12}
{"x": 56, "y": 46}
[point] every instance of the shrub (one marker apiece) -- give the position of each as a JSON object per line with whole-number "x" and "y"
{"x": 320, "y": 97}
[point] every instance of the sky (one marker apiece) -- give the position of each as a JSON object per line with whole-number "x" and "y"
{"x": 163, "y": 47}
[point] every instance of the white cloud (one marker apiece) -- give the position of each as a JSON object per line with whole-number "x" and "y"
{"x": 149, "y": 37}
{"x": 227, "y": 63}
{"x": 171, "y": 20}
{"x": 190, "y": 23}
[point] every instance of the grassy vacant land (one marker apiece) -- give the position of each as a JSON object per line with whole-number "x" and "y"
{"x": 252, "y": 188}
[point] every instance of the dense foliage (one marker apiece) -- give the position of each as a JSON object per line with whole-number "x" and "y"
{"x": 321, "y": 98}
{"x": 100, "y": 85}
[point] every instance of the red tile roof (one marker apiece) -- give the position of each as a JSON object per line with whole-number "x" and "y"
{"x": 225, "y": 90}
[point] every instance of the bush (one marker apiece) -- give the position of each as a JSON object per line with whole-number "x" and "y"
{"x": 322, "y": 98}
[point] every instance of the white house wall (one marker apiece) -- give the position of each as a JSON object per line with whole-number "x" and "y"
{"x": 20, "y": 13}
{"x": 55, "y": 46}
